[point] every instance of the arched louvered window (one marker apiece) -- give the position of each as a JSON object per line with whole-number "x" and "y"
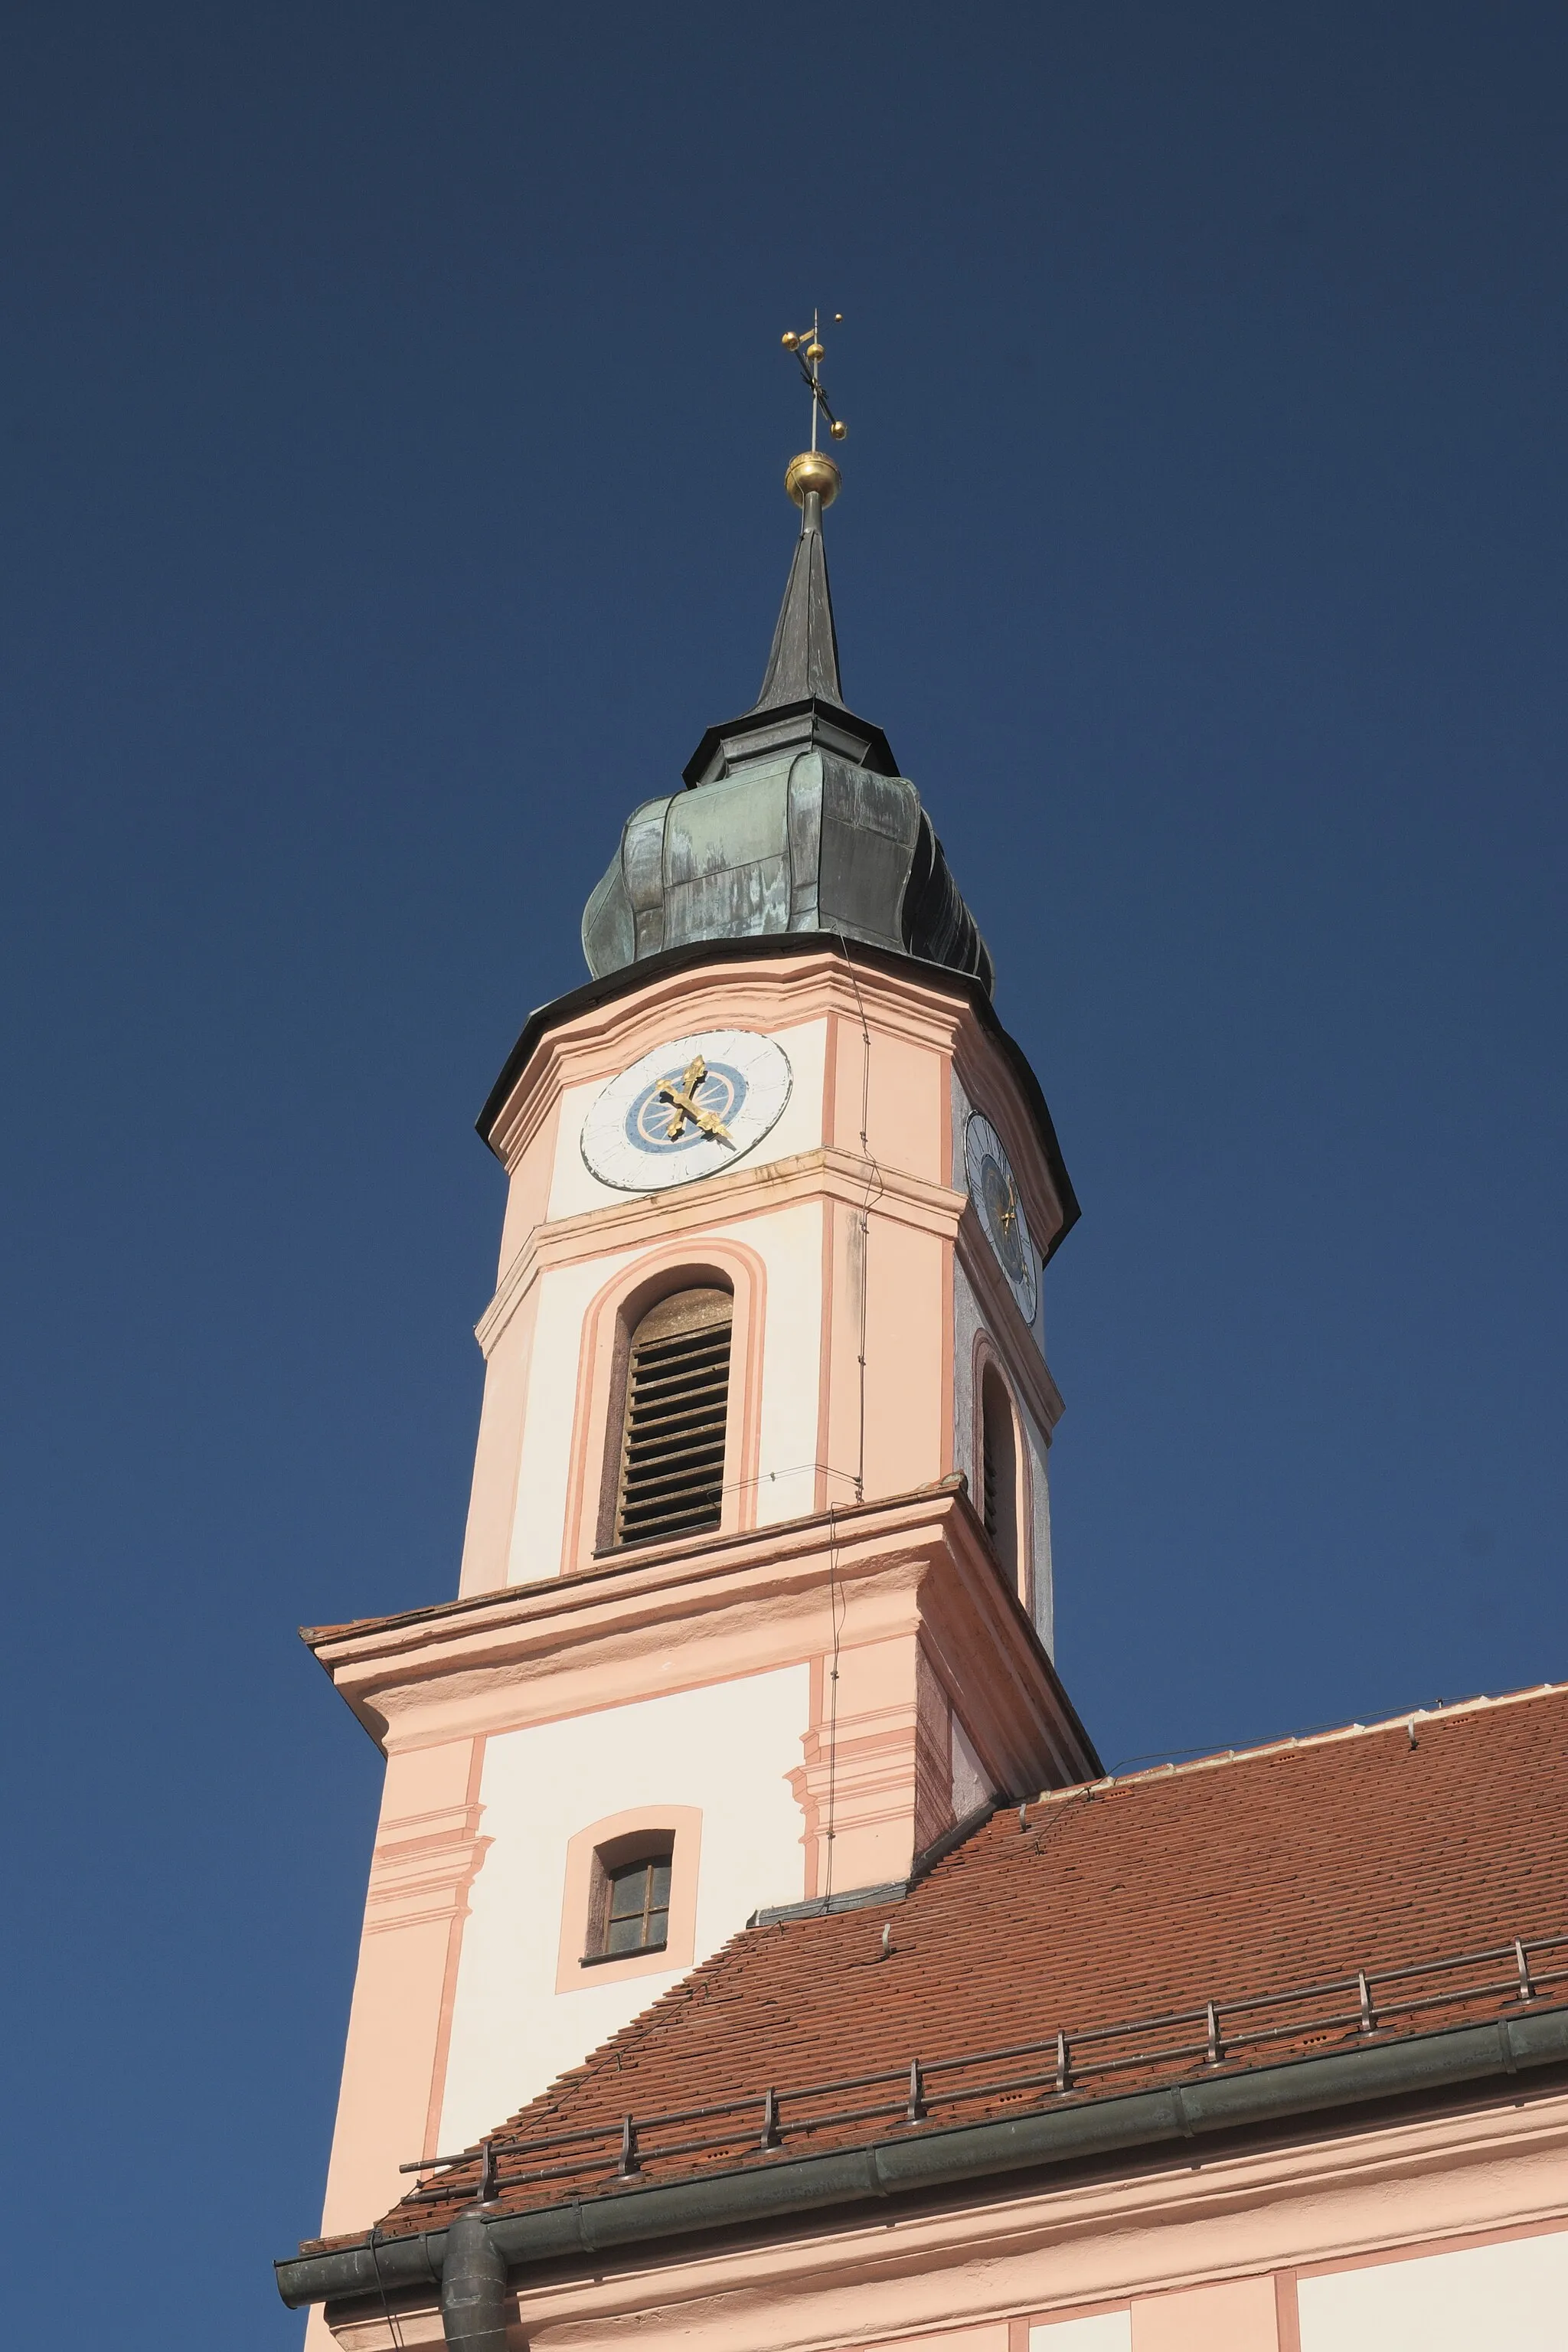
{"x": 678, "y": 1396}
{"x": 999, "y": 1470}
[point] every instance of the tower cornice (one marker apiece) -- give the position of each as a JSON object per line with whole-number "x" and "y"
{"x": 814, "y": 956}
{"x": 667, "y": 1616}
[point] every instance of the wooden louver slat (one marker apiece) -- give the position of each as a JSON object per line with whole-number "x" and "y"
{"x": 988, "y": 1467}
{"x": 678, "y": 1394}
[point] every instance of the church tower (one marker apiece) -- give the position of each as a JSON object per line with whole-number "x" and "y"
{"x": 754, "y": 1611}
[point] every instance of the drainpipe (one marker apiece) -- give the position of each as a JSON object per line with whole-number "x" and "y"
{"x": 473, "y": 2284}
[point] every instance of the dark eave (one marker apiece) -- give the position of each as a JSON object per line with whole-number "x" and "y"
{"x": 804, "y": 719}
{"x": 772, "y": 945}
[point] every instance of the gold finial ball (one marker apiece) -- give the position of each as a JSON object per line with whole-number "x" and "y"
{"x": 812, "y": 471}
{"x": 815, "y": 351}
{"x": 789, "y": 341}
{"x": 839, "y": 430}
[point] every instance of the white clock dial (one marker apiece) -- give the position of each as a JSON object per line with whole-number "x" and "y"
{"x": 994, "y": 1192}
{"x": 687, "y": 1109}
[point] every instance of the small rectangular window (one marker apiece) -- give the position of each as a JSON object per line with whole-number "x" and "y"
{"x": 638, "y": 1915}
{"x": 630, "y": 1908}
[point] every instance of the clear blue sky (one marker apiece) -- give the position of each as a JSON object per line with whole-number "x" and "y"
{"x": 393, "y": 419}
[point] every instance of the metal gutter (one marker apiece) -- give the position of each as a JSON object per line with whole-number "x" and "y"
{"x": 759, "y": 2195}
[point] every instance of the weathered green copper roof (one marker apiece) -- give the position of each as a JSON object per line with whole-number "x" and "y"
{"x": 794, "y": 818}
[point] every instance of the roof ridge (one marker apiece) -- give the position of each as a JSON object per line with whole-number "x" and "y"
{"x": 1292, "y": 1742}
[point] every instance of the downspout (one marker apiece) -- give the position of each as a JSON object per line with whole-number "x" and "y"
{"x": 473, "y": 2284}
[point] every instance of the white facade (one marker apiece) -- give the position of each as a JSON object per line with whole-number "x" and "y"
{"x": 725, "y": 1750}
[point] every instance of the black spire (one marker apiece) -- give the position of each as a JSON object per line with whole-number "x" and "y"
{"x": 804, "y": 657}
{"x": 795, "y": 816}
{"x": 801, "y": 701}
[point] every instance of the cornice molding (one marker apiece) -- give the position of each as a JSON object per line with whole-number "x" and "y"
{"x": 746, "y": 1604}
{"x": 593, "y": 1045}
{"x": 645, "y": 1222}
{"x": 824, "y": 971}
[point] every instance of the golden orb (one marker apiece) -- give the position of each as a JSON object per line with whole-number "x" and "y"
{"x": 815, "y": 351}
{"x": 812, "y": 471}
{"x": 839, "y": 430}
{"x": 789, "y": 341}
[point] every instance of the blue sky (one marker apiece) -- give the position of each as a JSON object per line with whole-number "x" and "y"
{"x": 393, "y": 420}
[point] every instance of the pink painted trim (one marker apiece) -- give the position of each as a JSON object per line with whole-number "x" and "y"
{"x": 454, "y": 1955}
{"x": 824, "y": 1449}
{"x": 568, "y": 1645}
{"x": 811, "y": 1738}
{"x": 823, "y": 1452}
{"x": 949, "y": 1406}
{"x": 685, "y": 1825}
{"x": 787, "y": 996}
{"x": 1287, "y": 2313}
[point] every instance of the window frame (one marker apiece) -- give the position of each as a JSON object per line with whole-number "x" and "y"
{"x": 604, "y": 1845}
{"x": 619, "y": 1492}
{"x": 614, "y": 1859}
{"x": 1015, "y": 1556}
{"x": 608, "y": 1322}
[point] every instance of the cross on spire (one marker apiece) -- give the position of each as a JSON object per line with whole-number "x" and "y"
{"x": 810, "y": 351}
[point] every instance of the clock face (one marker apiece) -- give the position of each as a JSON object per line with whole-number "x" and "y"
{"x": 687, "y": 1109}
{"x": 994, "y": 1193}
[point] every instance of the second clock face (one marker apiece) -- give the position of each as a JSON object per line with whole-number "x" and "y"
{"x": 994, "y": 1192}
{"x": 687, "y": 1109}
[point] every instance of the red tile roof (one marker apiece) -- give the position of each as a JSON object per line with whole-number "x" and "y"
{"x": 1283, "y": 1870}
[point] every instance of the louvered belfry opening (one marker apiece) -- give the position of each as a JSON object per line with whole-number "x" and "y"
{"x": 999, "y": 1469}
{"x": 989, "y": 1449}
{"x": 678, "y": 1394}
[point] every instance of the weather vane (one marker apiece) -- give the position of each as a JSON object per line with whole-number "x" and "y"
{"x": 810, "y": 351}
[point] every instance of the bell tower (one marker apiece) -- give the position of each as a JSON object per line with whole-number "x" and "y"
{"x": 754, "y": 1610}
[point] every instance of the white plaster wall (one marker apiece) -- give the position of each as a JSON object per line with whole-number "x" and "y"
{"x": 725, "y": 1748}
{"x": 1107, "y": 2331}
{"x": 971, "y": 1780}
{"x": 574, "y": 1189}
{"x": 539, "y": 1518}
{"x": 1041, "y": 1532}
{"x": 1511, "y": 2297}
{"x": 789, "y": 1242}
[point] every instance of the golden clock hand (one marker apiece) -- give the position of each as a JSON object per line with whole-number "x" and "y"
{"x": 1010, "y": 1214}
{"x": 684, "y": 1095}
{"x": 708, "y": 1121}
{"x": 671, "y": 1092}
{"x": 685, "y": 1109}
